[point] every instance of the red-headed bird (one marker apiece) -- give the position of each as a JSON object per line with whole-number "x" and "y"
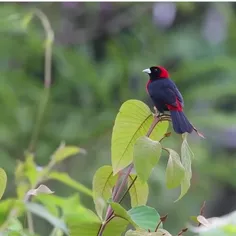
{"x": 166, "y": 97}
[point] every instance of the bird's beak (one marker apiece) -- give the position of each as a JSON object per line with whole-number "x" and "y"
{"x": 148, "y": 71}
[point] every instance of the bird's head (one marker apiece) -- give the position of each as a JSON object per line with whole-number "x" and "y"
{"x": 157, "y": 72}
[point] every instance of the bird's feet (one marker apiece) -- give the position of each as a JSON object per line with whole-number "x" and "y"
{"x": 157, "y": 113}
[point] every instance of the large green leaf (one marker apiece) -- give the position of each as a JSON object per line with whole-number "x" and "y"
{"x": 145, "y": 217}
{"x": 138, "y": 192}
{"x": 64, "y": 152}
{"x": 3, "y": 182}
{"x": 175, "y": 170}
{"x": 132, "y": 122}
{"x": 186, "y": 158}
{"x": 103, "y": 182}
{"x": 66, "y": 179}
{"x": 42, "y": 212}
{"x": 146, "y": 155}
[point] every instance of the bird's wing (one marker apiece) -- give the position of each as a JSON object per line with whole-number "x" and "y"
{"x": 172, "y": 95}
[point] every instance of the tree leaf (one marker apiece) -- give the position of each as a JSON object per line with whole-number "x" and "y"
{"x": 121, "y": 212}
{"x": 115, "y": 227}
{"x": 159, "y": 232}
{"x": 132, "y": 122}
{"x": 145, "y": 217}
{"x": 146, "y": 155}
{"x": 138, "y": 192}
{"x": 175, "y": 170}
{"x": 3, "y": 182}
{"x": 41, "y": 189}
{"x": 27, "y": 170}
{"x": 186, "y": 158}
{"x": 103, "y": 182}
{"x": 64, "y": 152}
{"x": 42, "y": 212}
{"x": 66, "y": 179}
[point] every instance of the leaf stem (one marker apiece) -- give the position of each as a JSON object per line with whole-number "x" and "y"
{"x": 119, "y": 188}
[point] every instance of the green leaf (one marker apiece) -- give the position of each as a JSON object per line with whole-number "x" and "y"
{"x": 64, "y": 152}
{"x": 14, "y": 225}
{"x": 66, "y": 179}
{"x": 146, "y": 155}
{"x": 132, "y": 122}
{"x": 138, "y": 192}
{"x": 145, "y": 217}
{"x": 175, "y": 170}
{"x": 159, "y": 232}
{"x": 42, "y": 212}
{"x": 27, "y": 170}
{"x": 86, "y": 223}
{"x": 3, "y": 182}
{"x": 103, "y": 182}
{"x": 115, "y": 227}
{"x": 186, "y": 157}
{"x": 121, "y": 212}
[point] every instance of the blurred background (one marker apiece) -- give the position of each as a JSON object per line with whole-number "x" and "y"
{"x": 99, "y": 52}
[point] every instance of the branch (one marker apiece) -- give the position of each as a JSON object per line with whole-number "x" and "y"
{"x": 118, "y": 189}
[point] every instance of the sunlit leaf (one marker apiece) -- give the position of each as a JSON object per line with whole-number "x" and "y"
{"x": 64, "y": 152}
{"x": 138, "y": 192}
{"x": 103, "y": 182}
{"x": 66, "y": 179}
{"x": 174, "y": 170}
{"x": 3, "y": 182}
{"x": 115, "y": 227}
{"x": 145, "y": 217}
{"x": 121, "y": 212}
{"x": 146, "y": 155}
{"x": 42, "y": 212}
{"x": 186, "y": 158}
{"x": 132, "y": 122}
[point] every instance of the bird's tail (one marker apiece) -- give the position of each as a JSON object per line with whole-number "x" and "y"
{"x": 180, "y": 122}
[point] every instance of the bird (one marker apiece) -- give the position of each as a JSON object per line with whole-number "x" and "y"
{"x": 166, "y": 97}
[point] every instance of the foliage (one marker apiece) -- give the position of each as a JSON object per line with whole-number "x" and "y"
{"x": 86, "y": 93}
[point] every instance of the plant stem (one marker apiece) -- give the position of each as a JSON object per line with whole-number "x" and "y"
{"x": 119, "y": 188}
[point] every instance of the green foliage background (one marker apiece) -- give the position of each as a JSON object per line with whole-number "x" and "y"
{"x": 87, "y": 93}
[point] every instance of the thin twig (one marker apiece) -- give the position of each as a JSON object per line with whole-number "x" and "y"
{"x": 47, "y": 75}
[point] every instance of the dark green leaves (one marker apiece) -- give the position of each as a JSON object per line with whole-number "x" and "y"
{"x": 146, "y": 155}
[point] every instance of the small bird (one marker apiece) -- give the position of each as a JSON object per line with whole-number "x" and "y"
{"x": 166, "y": 97}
